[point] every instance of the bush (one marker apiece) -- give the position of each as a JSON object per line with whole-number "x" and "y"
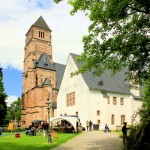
{"x": 139, "y": 137}
{"x": 18, "y": 129}
{"x": 4, "y": 129}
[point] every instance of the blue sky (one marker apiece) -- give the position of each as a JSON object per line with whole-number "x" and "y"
{"x": 17, "y": 16}
{"x": 12, "y": 79}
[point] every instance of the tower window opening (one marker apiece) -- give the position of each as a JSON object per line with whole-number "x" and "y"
{"x": 41, "y": 34}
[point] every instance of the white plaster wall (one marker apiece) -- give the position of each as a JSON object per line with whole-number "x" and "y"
{"x": 117, "y": 110}
{"x": 77, "y": 85}
{"x": 135, "y": 92}
{"x": 137, "y": 105}
{"x": 95, "y": 103}
{"x": 98, "y": 102}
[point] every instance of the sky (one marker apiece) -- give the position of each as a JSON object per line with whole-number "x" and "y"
{"x": 16, "y": 17}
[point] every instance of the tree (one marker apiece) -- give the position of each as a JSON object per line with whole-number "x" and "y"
{"x": 3, "y": 96}
{"x": 14, "y": 111}
{"x": 118, "y": 36}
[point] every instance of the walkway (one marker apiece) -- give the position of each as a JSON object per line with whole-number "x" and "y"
{"x": 93, "y": 140}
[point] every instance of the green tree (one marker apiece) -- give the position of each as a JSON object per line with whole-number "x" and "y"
{"x": 14, "y": 111}
{"x": 118, "y": 36}
{"x": 3, "y": 96}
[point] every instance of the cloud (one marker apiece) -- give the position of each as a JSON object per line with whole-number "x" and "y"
{"x": 17, "y": 16}
{"x": 10, "y": 99}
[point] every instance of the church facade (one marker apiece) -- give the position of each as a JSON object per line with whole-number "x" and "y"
{"x": 103, "y": 100}
{"x": 41, "y": 76}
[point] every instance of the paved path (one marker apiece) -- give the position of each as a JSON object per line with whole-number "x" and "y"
{"x": 93, "y": 140}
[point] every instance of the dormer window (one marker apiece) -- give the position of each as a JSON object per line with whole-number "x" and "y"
{"x": 41, "y": 34}
{"x": 100, "y": 82}
{"x": 45, "y": 64}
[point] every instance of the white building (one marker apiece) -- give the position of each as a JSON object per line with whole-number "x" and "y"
{"x": 103, "y": 100}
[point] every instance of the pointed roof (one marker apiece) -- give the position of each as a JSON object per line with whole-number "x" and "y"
{"x": 47, "y": 82}
{"x": 41, "y": 23}
{"x": 44, "y": 62}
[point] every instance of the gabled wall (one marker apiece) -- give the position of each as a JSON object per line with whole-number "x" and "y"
{"x": 88, "y": 101}
{"x": 75, "y": 84}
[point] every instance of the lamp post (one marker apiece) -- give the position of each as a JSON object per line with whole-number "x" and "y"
{"x": 49, "y": 105}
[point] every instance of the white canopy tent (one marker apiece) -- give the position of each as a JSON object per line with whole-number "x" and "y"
{"x": 74, "y": 120}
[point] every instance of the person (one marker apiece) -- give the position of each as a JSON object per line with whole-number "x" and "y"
{"x": 34, "y": 128}
{"x": 124, "y": 131}
{"x": 0, "y": 130}
{"x": 90, "y": 125}
{"x": 72, "y": 128}
{"x": 66, "y": 128}
{"x": 45, "y": 127}
{"x": 106, "y": 128}
{"x": 28, "y": 130}
{"x": 87, "y": 125}
{"x": 39, "y": 128}
{"x": 77, "y": 126}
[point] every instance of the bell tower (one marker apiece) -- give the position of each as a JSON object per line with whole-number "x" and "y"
{"x": 39, "y": 77}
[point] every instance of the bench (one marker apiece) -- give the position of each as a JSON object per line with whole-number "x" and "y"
{"x": 54, "y": 135}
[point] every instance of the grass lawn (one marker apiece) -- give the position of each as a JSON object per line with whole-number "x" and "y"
{"x": 8, "y": 141}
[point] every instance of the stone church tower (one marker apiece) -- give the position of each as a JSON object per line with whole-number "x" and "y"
{"x": 41, "y": 77}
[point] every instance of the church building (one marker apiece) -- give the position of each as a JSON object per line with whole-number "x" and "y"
{"x": 41, "y": 77}
{"x": 103, "y": 100}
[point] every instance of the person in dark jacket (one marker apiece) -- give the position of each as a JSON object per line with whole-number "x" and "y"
{"x": 124, "y": 131}
{"x": 106, "y": 128}
{"x": 45, "y": 127}
{"x": 90, "y": 125}
{"x": 34, "y": 128}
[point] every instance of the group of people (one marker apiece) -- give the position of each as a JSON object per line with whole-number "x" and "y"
{"x": 89, "y": 125}
{"x": 68, "y": 128}
{"x": 37, "y": 128}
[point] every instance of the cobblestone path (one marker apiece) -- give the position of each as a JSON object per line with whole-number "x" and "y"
{"x": 93, "y": 140}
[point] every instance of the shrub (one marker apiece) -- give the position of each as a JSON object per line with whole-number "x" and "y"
{"x": 139, "y": 137}
{"x": 18, "y": 129}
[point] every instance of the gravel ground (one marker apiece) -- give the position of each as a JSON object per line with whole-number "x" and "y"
{"x": 93, "y": 140}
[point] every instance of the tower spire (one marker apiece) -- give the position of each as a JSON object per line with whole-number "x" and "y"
{"x": 41, "y": 23}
